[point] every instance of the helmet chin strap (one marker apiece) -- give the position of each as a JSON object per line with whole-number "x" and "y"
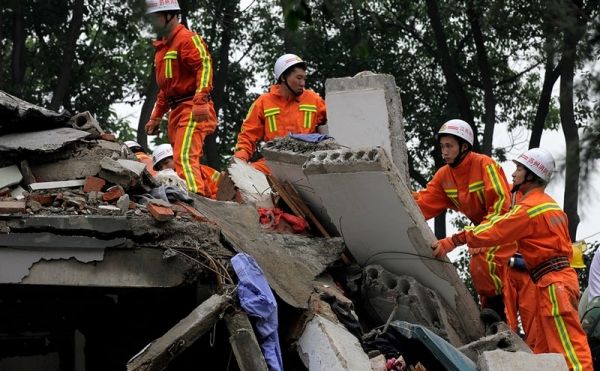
{"x": 459, "y": 158}
{"x": 516, "y": 187}
{"x": 290, "y": 88}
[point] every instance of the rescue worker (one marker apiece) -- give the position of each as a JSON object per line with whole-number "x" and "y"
{"x": 141, "y": 155}
{"x": 162, "y": 158}
{"x": 287, "y": 108}
{"x": 184, "y": 75}
{"x": 541, "y": 230}
{"x": 475, "y": 185}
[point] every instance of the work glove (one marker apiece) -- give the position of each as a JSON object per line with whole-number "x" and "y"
{"x": 415, "y": 195}
{"x": 153, "y": 126}
{"x": 200, "y": 112}
{"x": 445, "y": 245}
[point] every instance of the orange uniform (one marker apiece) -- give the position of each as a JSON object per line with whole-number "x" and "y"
{"x": 184, "y": 75}
{"x": 273, "y": 116}
{"x": 477, "y": 187}
{"x": 518, "y": 291}
{"x": 147, "y": 160}
{"x": 541, "y": 229}
{"x": 211, "y": 178}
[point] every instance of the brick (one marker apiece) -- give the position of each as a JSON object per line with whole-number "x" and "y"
{"x": 42, "y": 198}
{"x": 12, "y": 207}
{"x": 4, "y": 191}
{"x": 113, "y": 194}
{"x": 93, "y": 184}
{"x": 160, "y": 213}
{"x": 191, "y": 210}
{"x": 108, "y": 137}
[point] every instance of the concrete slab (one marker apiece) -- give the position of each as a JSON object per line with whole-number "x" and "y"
{"x": 504, "y": 340}
{"x": 10, "y": 176}
{"x": 56, "y": 185}
{"x": 381, "y": 224}
{"x": 41, "y": 141}
{"x": 19, "y": 115}
{"x": 366, "y": 111}
{"x": 500, "y": 360}
{"x": 326, "y": 346}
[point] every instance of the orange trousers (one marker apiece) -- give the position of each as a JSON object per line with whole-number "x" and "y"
{"x": 187, "y": 138}
{"x": 488, "y": 274}
{"x": 518, "y": 291}
{"x": 556, "y": 323}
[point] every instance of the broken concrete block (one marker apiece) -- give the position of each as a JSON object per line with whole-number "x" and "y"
{"x": 12, "y": 207}
{"x": 326, "y": 346}
{"x": 505, "y": 340}
{"x": 384, "y": 293}
{"x": 378, "y": 363}
{"x": 160, "y": 213}
{"x": 285, "y": 157}
{"x": 251, "y": 183}
{"x": 108, "y": 137}
{"x": 33, "y": 205}
{"x": 18, "y": 193}
{"x": 126, "y": 173}
{"x": 123, "y": 203}
{"x": 365, "y": 111}
{"x": 381, "y": 224}
{"x": 57, "y": 185}
{"x": 28, "y": 176}
{"x": 86, "y": 122}
{"x": 501, "y": 360}
{"x": 113, "y": 194}
{"x": 94, "y": 184}
{"x": 74, "y": 200}
{"x": 108, "y": 207}
{"x": 44, "y": 141}
{"x": 10, "y": 176}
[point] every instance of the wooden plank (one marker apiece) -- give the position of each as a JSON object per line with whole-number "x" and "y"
{"x": 297, "y": 199}
{"x": 243, "y": 342}
{"x": 157, "y": 355}
{"x": 281, "y": 191}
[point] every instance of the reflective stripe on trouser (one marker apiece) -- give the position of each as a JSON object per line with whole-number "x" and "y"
{"x": 187, "y": 139}
{"x": 487, "y": 273}
{"x": 557, "y": 321}
{"x": 518, "y": 289}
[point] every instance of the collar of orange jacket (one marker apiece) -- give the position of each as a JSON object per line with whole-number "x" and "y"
{"x": 276, "y": 89}
{"x": 160, "y": 42}
{"x": 465, "y": 165}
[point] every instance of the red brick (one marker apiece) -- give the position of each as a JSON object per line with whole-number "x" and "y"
{"x": 12, "y": 207}
{"x": 93, "y": 184}
{"x": 42, "y": 198}
{"x": 109, "y": 137}
{"x": 190, "y": 209}
{"x": 160, "y": 213}
{"x": 113, "y": 194}
{"x": 5, "y": 191}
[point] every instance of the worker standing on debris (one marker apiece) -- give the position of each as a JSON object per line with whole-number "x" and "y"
{"x": 184, "y": 75}
{"x": 141, "y": 155}
{"x": 541, "y": 230}
{"x": 287, "y": 108}
{"x": 475, "y": 185}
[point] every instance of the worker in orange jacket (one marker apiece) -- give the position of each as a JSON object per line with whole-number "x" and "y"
{"x": 541, "y": 229}
{"x": 141, "y": 155}
{"x": 287, "y": 108}
{"x": 475, "y": 185}
{"x": 184, "y": 75}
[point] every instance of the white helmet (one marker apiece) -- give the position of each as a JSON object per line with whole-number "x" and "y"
{"x": 284, "y": 62}
{"x": 155, "y": 6}
{"x": 458, "y": 128}
{"x": 160, "y": 153}
{"x": 539, "y": 161}
{"x": 132, "y": 144}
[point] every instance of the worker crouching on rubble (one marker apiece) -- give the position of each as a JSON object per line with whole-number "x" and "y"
{"x": 141, "y": 155}
{"x": 287, "y": 108}
{"x": 541, "y": 230}
{"x": 475, "y": 185}
{"x": 184, "y": 75}
{"x": 162, "y": 159}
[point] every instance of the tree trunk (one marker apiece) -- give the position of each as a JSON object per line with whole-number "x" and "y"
{"x": 150, "y": 94}
{"x": 289, "y": 44}
{"x": 458, "y": 103}
{"x": 550, "y": 76}
{"x": 487, "y": 74}
{"x": 18, "y": 53}
{"x": 220, "y": 81}
{"x": 62, "y": 85}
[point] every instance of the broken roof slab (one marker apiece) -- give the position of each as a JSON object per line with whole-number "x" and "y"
{"x": 49, "y": 140}
{"x": 19, "y": 115}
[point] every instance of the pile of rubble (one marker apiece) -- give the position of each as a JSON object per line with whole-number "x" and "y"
{"x": 355, "y": 288}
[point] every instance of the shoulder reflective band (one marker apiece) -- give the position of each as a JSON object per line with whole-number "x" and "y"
{"x": 169, "y": 56}
{"x": 542, "y": 208}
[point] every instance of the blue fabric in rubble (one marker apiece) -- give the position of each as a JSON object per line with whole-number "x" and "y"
{"x": 257, "y": 299}
{"x": 310, "y": 138}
